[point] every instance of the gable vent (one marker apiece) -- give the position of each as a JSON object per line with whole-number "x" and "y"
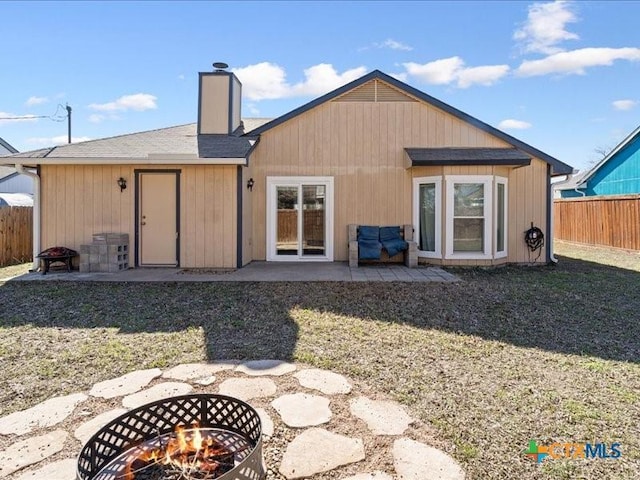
{"x": 375, "y": 91}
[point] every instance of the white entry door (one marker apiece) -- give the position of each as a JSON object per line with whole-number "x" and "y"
{"x": 300, "y": 218}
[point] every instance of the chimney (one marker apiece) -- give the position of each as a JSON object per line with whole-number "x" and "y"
{"x": 219, "y": 97}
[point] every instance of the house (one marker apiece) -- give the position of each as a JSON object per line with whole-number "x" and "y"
{"x": 10, "y": 180}
{"x": 615, "y": 174}
{"x": 225, "y": 191}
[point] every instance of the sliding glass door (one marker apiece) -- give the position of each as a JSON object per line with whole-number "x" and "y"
{"x": 299, "y": 218}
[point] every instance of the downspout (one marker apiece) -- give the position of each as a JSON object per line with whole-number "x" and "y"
{"x": 550, "y": 209}
{"x": 36, "y": 213}
{"x": 581, "y": 193}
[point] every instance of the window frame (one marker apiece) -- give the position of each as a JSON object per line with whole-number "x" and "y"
{"x": 417, "y": 181}
{"x": 488, "y": 211}
{"x": 271, "y": 216}
{"x": 504, "y": 253}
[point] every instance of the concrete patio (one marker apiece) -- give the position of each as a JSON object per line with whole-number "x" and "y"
{"x": 260, "y": 272}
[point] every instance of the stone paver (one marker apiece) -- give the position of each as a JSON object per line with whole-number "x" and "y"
{"x": 126, "y": 384}
{"x": 325, "y": 381}
{"x": 206, "y": 381}
{"x": 45, "y": 414}
{"x": 157, "y": 392}
{"x": 317, "y": 450}
{"x": 377, "y": 475}
{"x": 382, "y": 417}
{"x": 248, "y": 388}
{"x": 85, "y": 431}
{"x": 417, "y": 461}
{"x": 302, "y": 409}
{"x": 265, "y": 420}
{"x": 194, "y": 371}
{"x": 30, "y": 451}
{"x": 60, "y": 470}
{"x": 266, "y": 367}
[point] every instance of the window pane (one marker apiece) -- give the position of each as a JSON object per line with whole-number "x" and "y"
{"x": 287, "y": 236}
{"x": 468, "y": 200}
{"x": 427, "y": 217}
{"x": 468, "y": 235}
{"x": 313, "y": 219}
{"x": 500, "y": 220}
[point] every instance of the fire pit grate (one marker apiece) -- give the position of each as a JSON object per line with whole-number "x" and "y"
{"x": 234, "y": 424}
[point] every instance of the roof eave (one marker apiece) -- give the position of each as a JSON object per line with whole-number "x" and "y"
{"x": 158, "y": 159}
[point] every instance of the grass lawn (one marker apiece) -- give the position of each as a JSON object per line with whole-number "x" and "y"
{"x": 506, "y": 356}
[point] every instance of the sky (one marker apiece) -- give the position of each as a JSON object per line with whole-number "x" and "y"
{"x": 562, "y": 76}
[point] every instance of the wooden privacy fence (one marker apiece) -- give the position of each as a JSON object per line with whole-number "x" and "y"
{"x": 313, "y": 226}
{"x": 612, "y": 221}
{"x": 16, "y": 237}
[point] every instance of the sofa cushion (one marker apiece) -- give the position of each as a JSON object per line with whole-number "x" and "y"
{"x": 392, "y": 241}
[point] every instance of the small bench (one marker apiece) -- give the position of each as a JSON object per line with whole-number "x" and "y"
{"x": 367, "y": 242}
{"x": 56, "y": 254}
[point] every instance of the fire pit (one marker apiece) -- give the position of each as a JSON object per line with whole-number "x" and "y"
{"x": 190, "y": 437}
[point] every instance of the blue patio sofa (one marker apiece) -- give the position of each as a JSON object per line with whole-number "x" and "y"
{"x": 368, "y": 242}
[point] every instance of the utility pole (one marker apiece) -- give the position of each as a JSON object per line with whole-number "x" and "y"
{"x": 68, "y": 123}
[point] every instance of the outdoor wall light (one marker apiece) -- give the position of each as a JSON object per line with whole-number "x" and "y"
{"x": 250, "y": 184}
{"x": 122, "y": 183}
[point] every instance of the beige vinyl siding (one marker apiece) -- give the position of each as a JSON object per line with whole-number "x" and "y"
{"x": 81, "y": 200}
{"x": 361, "y": 144}
{"x": 214, "y": 108}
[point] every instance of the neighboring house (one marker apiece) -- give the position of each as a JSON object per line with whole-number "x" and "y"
{"x": 10, "y": 180}
{"x": 6, "y": 149}
{"x": 224, "y": 192}
{"x": 616, "y": 174}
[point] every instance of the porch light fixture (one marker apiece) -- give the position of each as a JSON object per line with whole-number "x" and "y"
{"x": 122, "y": 183}
{"x": 250, "y": 184}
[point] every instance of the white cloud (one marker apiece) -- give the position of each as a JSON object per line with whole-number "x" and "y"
{"x": 546, "y": 27}
{"x": 269, "y": 81}
{"x": 399, "y": 76}
{"x": 253, "y": 109}
{"x": 393, "y": 45}
{"x": 485, "y": 75}
{"x": 448, "y": 70}
{"x": 438, "y": 72}
{"x": 6, "y": 117}
{"x": 138, "y": 102}
{"x": 624, "y": 104}
{"x": 575, "y": 61}
{"x": 100, "y": 117}
{"x": 512, "y": 124}
{"x": 323, "y": 78}
{"x": 181, "y": 77}
{"x": 388, "y": 43}
{"x": 31, "y": 101}
{"x": 59, "y": 140}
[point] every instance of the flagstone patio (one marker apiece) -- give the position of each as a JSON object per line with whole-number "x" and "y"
{"x": 314, "y": 421}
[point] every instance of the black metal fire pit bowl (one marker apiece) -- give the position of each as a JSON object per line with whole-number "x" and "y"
{"x": 231, "y": 421}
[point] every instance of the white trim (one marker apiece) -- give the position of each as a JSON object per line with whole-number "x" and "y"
{"x": 272, "y": 183}
{"x": 487, "y": 180}
{"x": 501, "y": 181}
{"x": 417, "y": 181}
